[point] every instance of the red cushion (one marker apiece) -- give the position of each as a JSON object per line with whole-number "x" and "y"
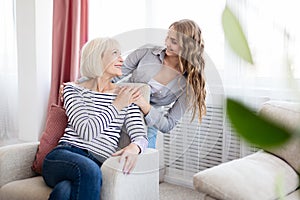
{"x": 55, "y": 127}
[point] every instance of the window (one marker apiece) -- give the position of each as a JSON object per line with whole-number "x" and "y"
{"x": 273, "y": 37}
{"x": 110, "y": 18}
{"x": 8, "y": 71}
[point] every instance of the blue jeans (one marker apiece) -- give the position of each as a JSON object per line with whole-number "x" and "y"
{"x": 73, "y": 173}
{"x": 152, "y": 133}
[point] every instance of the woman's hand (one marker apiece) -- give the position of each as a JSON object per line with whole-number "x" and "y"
{"x": 128, "y": 155}
{"x": 126, "y": 96}
{"x": 61, "y": 90}
{"x": 143, "y": 104}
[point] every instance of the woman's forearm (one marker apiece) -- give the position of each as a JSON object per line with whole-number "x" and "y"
{"x": 146, "y": 108}
{"x": 143, "y": 104}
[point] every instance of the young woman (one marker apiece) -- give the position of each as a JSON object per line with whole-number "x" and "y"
{"x": 175, "y": 74}
{"x": 96, "y": 111}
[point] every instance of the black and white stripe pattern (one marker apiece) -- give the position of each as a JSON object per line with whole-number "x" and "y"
{"x": 95, "y": 124}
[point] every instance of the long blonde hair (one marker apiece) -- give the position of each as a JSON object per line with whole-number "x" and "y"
{"x": 192, "y": 63}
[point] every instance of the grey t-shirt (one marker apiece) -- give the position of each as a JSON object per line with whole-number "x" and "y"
{"x": 142, "y": 65}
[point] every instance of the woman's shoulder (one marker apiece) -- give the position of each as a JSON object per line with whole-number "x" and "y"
{"x": 77, "y": 86}
{"x": 69, "y": 85}
{"x": 72, "y": 87}
{"x": 149, "y": 49}
{"x": 82, "y": 84}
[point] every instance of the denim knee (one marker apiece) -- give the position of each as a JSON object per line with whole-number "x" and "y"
{"x": 61, "y": 190}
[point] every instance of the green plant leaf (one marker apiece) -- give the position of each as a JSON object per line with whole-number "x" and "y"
{"x": 235, "y": 35}
{"x": 255, "y": 129}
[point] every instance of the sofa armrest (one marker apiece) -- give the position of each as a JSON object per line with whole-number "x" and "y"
{"x": 16, "y": 161}
{"x": 256, "y": 176}
{"x": 141, "y": 183}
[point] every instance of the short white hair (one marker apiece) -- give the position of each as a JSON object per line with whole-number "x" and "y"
{"x": 91, "y": 63}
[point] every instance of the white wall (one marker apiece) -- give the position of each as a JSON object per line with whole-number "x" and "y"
{"x": 34, "y": 42}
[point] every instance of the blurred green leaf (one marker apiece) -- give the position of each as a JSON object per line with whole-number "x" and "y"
{"x": 253, "y": 128}
{"x": 235, "y": 35}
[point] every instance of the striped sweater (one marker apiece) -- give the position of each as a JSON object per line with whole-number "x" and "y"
{"x": 94, "y": 124}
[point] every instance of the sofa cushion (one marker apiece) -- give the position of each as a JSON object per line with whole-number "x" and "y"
{"x": 30, "y": 188}
{"x": 54, "y": 129}
{"x": 293, "y": 196}
{"x": 286, "y": 114}
{"x": 253, "y": 177}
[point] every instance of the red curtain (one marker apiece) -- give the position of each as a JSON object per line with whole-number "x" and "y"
{"x": 70, "y": 32}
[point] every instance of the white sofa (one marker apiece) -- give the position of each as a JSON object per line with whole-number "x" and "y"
{"x": 265, "y": 175}
{"x": 19, "y": 182}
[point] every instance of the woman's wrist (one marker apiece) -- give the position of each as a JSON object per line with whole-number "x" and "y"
{"x": 117, "y": 106}
{"x": 135, "y": 148}
{"x": 146, "y": 108}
